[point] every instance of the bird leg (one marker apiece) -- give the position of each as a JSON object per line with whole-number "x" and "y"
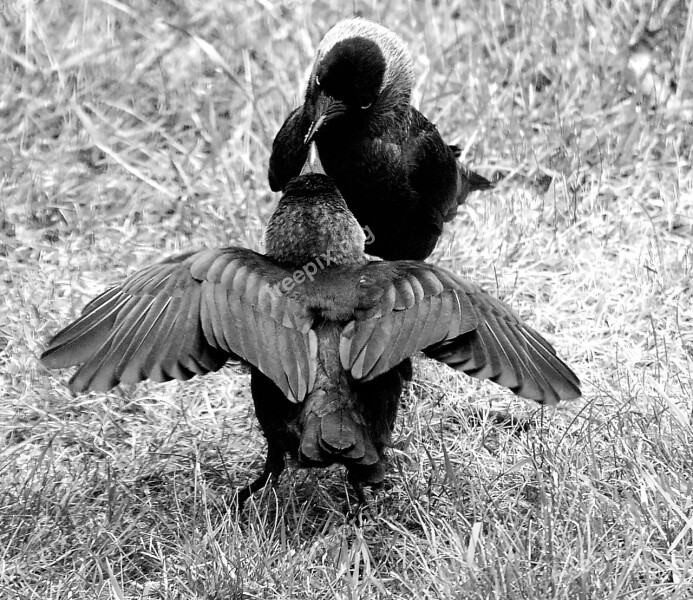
{"x": 274, "y": 465}
{"x": 357, "y": 485}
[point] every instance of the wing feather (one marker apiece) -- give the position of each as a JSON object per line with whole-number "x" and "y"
{"x": 424, "y": 307}
{"x": 186, "y": 316}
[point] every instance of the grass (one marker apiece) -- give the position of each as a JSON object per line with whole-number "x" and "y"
{"x": 133, "y": 130}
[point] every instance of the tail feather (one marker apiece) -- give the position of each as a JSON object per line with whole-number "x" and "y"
{"x": 475, "y": 182}
{"x": 471, "y": 181}
{"x": 468, "y": 181}
{"x": 334, "y": 432}
{"x": 338, "y": 433}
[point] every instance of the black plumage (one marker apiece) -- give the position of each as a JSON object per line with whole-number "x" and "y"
{"x": 397, "y": 175}
{"x": 328, "y": 333}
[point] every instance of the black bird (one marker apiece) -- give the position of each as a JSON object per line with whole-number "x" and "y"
{"x": 397, "y": 175}
{"x": 327, "y": 332}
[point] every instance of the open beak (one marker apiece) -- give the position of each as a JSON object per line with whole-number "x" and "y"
{"x": 327, "y": 108}
{"x": 313, "y": 164}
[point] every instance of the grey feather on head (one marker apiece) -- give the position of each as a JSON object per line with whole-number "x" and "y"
{"x": 399, "y": 70}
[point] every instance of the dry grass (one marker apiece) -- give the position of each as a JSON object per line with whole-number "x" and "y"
{"x": 132, "y": 130}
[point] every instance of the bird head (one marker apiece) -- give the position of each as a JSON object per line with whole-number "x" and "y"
{"x": 311, "y": 222}
{"x": 361, "y": 68}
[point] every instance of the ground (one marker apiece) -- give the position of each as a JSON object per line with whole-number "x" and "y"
{"x": 132, "y": 130}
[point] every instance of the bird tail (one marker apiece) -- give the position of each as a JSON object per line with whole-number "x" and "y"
{"x": 334, "y": 430}
{"x": 474, "y": 181}
{"x": 468, "y": 181}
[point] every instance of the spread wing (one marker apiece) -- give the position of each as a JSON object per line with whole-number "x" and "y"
{"x": 403, "y": 307}
{"x": 187, "y": 316}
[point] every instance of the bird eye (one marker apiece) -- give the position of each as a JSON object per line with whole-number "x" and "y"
{"x": 317, "y": 81}
{"x": 366, "y": 106}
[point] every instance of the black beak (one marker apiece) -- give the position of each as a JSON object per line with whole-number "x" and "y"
{"x": 326, "y": 109}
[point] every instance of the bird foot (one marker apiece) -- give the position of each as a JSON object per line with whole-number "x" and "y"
{"x": 274, "y": 465}
{"x": 354, "y": 510}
